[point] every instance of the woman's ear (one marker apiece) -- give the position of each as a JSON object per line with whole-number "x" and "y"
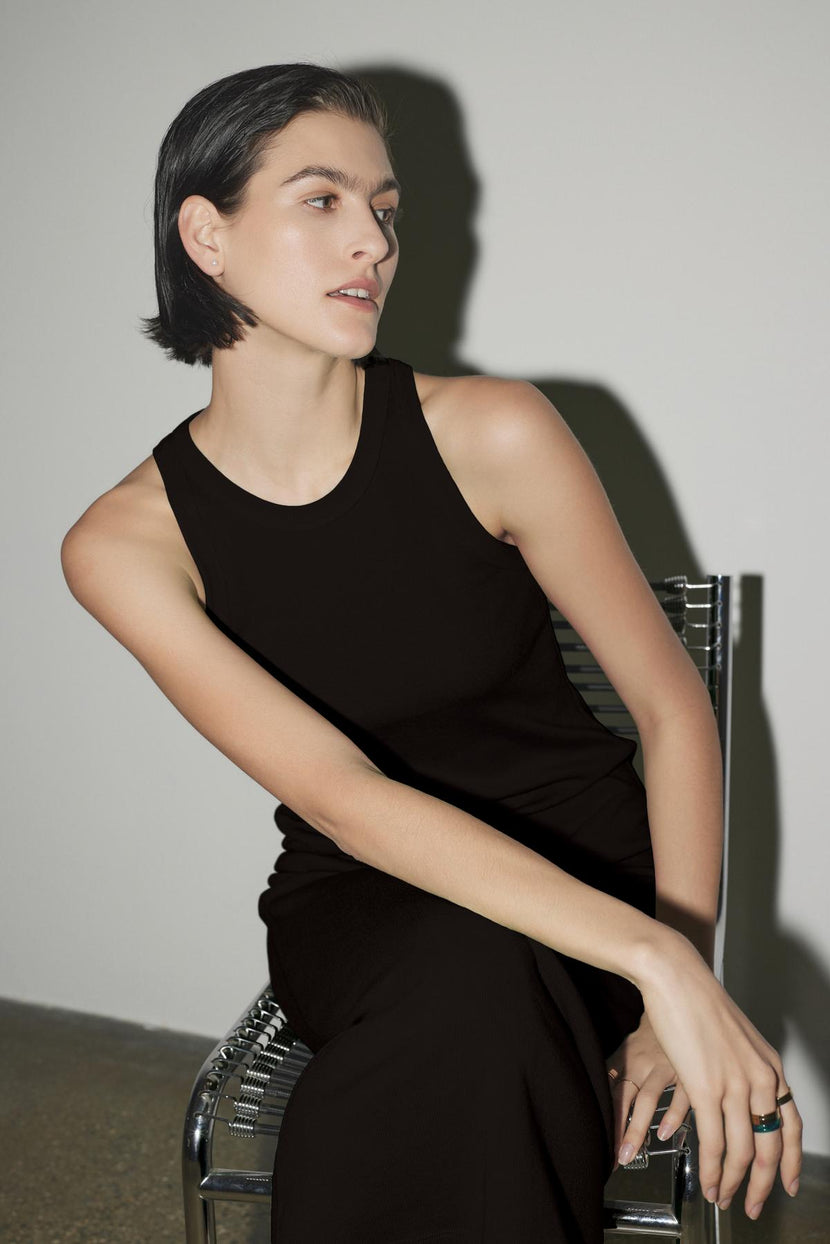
{"x": 198, "y": 223}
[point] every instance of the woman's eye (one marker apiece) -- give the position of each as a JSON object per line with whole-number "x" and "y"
{"x": 386, "y": 215}
{"x": 394, "y": 216}
{"x": 318, "y": 198}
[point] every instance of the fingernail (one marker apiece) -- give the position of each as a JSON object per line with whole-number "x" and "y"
{"x": 626, "y": 1152}
{"x": 756, "y": 1209}
{"x": 712, "y": 1193}
{"x": 793, "y": 1188}
{"x": 725, "y": 1204}
{"x": 663, "y": 1131}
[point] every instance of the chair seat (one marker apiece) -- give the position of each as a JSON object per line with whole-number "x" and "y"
{"x": 243, "y": 1089}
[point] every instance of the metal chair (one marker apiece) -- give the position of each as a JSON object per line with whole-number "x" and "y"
{"x": 240, "y": 1094}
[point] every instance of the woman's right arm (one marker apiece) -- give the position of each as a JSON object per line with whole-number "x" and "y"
{"x": 140, "y": 593}
{"x": 134, "y": 585}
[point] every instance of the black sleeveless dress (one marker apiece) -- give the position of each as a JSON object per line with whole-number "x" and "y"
{"x": 458, "y": 1090}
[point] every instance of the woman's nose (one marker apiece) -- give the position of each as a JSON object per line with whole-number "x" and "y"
{"x": 371, "y": 238}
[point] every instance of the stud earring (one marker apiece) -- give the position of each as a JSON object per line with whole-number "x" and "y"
{"x": 213, "y": 261}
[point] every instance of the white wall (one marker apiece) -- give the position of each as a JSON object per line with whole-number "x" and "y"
{"x": 648, "y": 245}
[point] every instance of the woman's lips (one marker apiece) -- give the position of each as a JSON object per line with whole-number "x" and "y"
{"x": 365, "y": 304}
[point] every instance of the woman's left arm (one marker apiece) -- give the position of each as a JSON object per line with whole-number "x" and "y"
{"x": 549, "y": 499}
{"x": 683, "y": 769}
{"x": 522, "y": 455}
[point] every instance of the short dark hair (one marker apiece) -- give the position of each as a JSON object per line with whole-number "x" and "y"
{"x": 213, "y": 147}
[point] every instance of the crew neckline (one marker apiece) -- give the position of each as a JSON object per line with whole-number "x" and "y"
{"x": 341, "y": 497}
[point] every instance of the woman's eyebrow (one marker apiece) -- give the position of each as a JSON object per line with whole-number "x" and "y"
{"x": 342, "y": 178}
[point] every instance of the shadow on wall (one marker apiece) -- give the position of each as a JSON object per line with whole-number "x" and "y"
{"x": 772, "y": 973}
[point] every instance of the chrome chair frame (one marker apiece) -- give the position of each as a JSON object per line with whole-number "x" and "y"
{"x": 246, "y": 1081}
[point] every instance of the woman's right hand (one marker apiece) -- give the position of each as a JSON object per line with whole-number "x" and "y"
{"x": 727, "y": 1069}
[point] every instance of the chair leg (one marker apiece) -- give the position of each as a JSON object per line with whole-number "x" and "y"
{"x": 199, "y": 1213}
{"x": 199, "y": 1220}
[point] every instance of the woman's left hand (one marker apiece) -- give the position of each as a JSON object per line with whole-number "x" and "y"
{"x": 640, "y": 1061}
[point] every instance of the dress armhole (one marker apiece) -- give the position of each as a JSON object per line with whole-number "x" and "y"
{"x": 498, "y": 550}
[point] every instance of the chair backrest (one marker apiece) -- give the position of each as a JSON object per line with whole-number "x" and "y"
{"x": 701, "y": 614}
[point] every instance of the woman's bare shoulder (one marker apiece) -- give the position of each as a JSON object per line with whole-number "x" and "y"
{"x": 467, "y": 417}
{"x": 134, "y": 515}
{"x": 482, "y": 416}
{"x": 464, "y": 398}
{"x": 476, "y": 414}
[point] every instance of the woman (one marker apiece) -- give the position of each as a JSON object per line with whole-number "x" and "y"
{"x": 339, "y": 571}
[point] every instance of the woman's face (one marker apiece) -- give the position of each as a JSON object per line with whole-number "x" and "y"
{"x": 296, "y": 239}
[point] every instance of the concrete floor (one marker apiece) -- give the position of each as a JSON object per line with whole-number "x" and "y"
{"x": 90, "y": 1128}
